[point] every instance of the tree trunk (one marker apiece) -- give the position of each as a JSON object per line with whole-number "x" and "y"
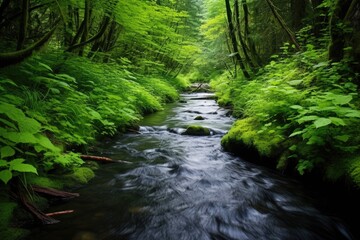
{"x": 17, "y": 56}
{"x": 23, "y": 25}
{"x": 298, "y": 8}
{"x": 242, "y": 43}
{"x": 338, "y": 35}
{"x": 283, "y": 24}
{"x": 233, "y": 40}
{"x": 86, "y": 26}
{"x": 250, "y": 42}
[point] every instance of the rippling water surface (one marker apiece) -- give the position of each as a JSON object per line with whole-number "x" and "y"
{"x": 185, "y": 187}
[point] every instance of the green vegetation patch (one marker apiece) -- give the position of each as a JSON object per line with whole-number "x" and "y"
{"x": 195, "y": 130}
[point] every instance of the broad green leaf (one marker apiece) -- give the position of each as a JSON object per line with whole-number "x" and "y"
{"x": 46, "y": 143}
{"x": 11, "y": 111}
{"x": 29, "y": 125}
{"x": 315, "y": 140}
{"x": 22, "y": 137}
{"x": 307, "y": 118}
{"x": 353, "y": 113}
{"x": 24, "y": 168}
{"x": 7, "y": 151}
{"x": 342, "y": 138}
{"x": 295, "y": 82}
{"x": 296, "y": 107}
{"x": 337, "y": 121}
{"x": 5, "y": 176}
{"x": 3, "y": 163}
{"x": 341, "y": 99}
{"x": 16, "y": 161}
{"x": 297, "y": 133}
{"x": 322, "y": 122}
{"x": 293, "y": 148}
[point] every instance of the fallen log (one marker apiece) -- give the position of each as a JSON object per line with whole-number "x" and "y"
{"x": 54, "y": 192}
{"x": 101, "y": 159}
{"x": 59, "y": 213}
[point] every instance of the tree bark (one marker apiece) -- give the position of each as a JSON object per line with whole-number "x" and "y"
{"x": 242, "y": 43}
{"x": 23, "y": 26}
{"x": 283, "y": 25}
{"x": 17, "y": 56}
{"x": 95, "y": 37}
{"x": 338, "y": 36}
{"x": 85, "y": 32}
{"x": 233, "y": 40}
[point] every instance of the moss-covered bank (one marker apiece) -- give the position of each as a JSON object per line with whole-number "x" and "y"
{"x": 300, "y": 114}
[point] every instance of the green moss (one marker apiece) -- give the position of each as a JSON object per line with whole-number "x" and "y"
{"x": 248, "y": 132}
{"x": 196, "y": 130}
{"x": 46, "y": 182}
{"x": 83, "y": 175}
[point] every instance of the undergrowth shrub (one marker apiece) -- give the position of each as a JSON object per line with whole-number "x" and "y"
{"x": 300, "y": 108}
{"x": 54, "y": 101}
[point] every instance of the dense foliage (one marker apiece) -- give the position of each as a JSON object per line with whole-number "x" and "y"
{"x": 301, "y": 109}
{"x": 73, "y": 72}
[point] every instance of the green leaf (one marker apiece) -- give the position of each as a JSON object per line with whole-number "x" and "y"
{"x": 46, "y": 143}
{"x": 341, "y": 99}
{"x": 337, "y": 121}
{"x": 5, "y": 176}
{"x": 322, "y": 122}
{"x": 16, "y": 162}
{"x": 342, "y": 138}
{"x": 22, "y": 167}
{"x": 315, "y": 140}
{"x": 293, "y": 148}
{"x": 22, "y": 137}
{"x": 296, "y": 107}
{"x": 3, "y": 163}
{"x": 295, "y": 82}
{"x": 7, "y": 151}
{"x": 353, "y": 113}
{"x": 297, "y": 133}
{"x": 307, "y": 118}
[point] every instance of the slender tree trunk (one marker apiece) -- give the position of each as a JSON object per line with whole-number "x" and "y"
{"x": 86, "y": 26}
{"x": 17, "y": 56}
{"x": 247, "y": 37}
{"x": 24, "y": 21}
{"x": 283, "y": 24}
{"x": 233, "y": 40}
{"x": 242, "y": 43}
{"x": 298, "y": 8}
{"x": 342, "y": 12}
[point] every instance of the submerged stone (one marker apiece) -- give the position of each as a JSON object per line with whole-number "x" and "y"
{"x": 195, "y": 130}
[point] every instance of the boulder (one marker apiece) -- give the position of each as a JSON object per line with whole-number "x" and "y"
{"x": 199, "y": 118}
{"x": 195, "y": 130}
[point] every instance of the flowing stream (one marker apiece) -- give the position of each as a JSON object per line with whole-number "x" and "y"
{"x": 180, "y": 187}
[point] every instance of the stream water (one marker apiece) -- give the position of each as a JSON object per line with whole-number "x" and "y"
{"x": 180, "y": 187}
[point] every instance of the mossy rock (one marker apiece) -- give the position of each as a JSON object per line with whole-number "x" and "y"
{"x": 83, "y": 175}
{"x": 199, "y": 118}
{"x": 195, "y": 130}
